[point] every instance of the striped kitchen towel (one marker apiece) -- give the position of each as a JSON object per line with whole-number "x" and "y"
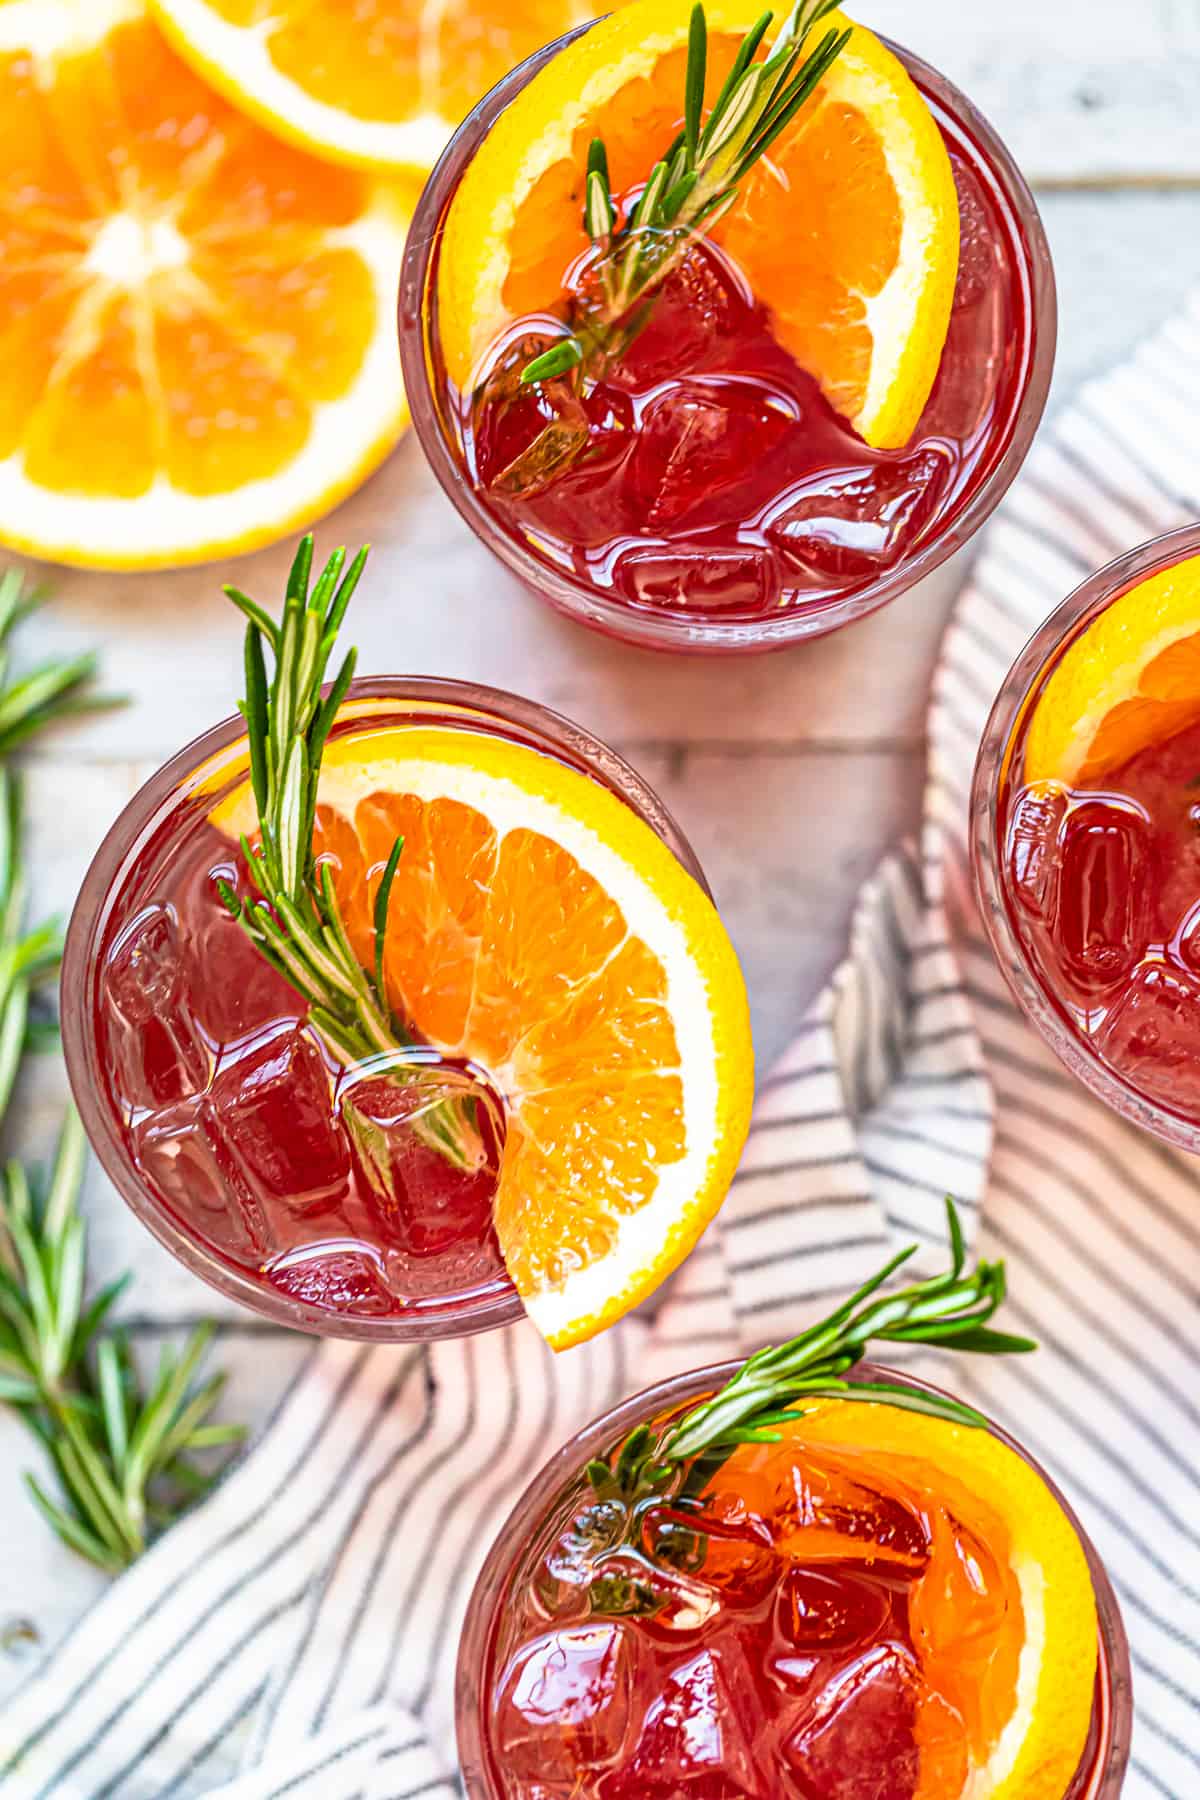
{"x": 296, "y": 1635}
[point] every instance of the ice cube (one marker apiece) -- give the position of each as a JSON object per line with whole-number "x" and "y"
{"x": 697, "y": 1734}
{"x": 181, "y": 1153}
{"x": 700, "y": 442}
{"x": 433, "y": 1217}
{"x": 564, "y": 1701}
{"x": 852, "y": 524}
{"x": 272, "y": 1104}
{"x": 1031, "y": 848}
{"x": 980, "y": 247}
{"x": 156, "y": 1053}
{"x": 336, "y": 1277}
{"x": 856, "y": 1739}
{"x": 1151, "y": 1034}
{"x": 729, "y": 1562}
{"x": 1104, "y": 892}
{"x": 239, "y": 993}
{"x": 702, "y": 310}
{"x": 724, "y": 581}
{"x": 829, "y": 1610}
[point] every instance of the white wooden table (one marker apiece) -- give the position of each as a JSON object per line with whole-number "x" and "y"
{"x": 791, "y": 774}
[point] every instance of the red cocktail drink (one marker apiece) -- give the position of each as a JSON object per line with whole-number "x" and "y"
{"x": 219, "y": 1112}
{"x": 836, "y": 1618}
{"x": 720, "y": 499}
{"x": 1087, "y": 835}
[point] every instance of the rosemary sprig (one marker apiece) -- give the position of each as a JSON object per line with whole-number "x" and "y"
{"x": 121, "y": 1454}
{"x": 296, "y": 923}
{"x": 951, "y": 1312}
{"x": 692, "y": 186}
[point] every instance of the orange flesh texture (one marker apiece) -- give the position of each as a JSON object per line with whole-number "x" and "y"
{"x": 204, "y": 362}
{"x": 1168, "y": 700}
{"x": 964, "y": 1602}
{"x": 503, "y": 951}
{"x": 388, "y": 60}
{"x": 815, "y": 231}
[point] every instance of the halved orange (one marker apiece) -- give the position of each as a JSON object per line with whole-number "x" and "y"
{"x": 848, "y": 230}
{"x": 538, "y": 927}
{"x": 1001, "y": 1611}
{"x": 196, "y": 321}
{"x": 379, "y": 83}
{"x": 1131, "y": 679}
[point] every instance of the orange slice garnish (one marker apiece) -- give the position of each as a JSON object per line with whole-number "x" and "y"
{"x": 1131, "y": 679}
{"x": 1002, "y": 1616}
{"x": 538, "y": 928}
{"x": 847, "y": 230}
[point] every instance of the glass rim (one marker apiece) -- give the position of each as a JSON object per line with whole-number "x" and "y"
{"x": 578, "y": 598}
{"x": 552, "y": 733}
{"x": 1114, "y": 1677}
{"x": 1018, "y": 690}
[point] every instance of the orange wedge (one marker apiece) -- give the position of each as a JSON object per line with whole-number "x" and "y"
{"x": 540, "y": 929}
{"x": 848, "y": 230}
{"x": 196, "y": 321}
{"x": 1001, "y": 1618}
{"x": 378, "y": 83}
{"x": 1131, "y": 679}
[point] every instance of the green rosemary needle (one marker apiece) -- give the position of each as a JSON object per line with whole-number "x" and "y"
{"x": 122, "y": 1454}
{"x": 692, "y": 186}
{"x": 296, "y": 923}
{"x": 949, "y": 1312}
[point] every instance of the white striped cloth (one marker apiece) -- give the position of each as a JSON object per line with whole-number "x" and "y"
{"x": 296, "y": 1636}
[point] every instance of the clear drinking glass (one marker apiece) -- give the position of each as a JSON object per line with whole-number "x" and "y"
{"x": 155, "y": 835}
{"x": 435, "y": 412}
{"x": 1031, "y": 982}
{"x": 1101, "y": 1772}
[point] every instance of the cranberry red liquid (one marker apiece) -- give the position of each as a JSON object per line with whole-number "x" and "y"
{"x": 721, "y": 500}
{"x": 832, "y": 1620}
{"x": 242, "y": 1127}
{"x": 719, "y": 479}
{"x": 1104, "y": 890}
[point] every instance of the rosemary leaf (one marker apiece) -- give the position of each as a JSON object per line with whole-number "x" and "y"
{"x": 296, "y": 923}
{"x": 687, "y": 193}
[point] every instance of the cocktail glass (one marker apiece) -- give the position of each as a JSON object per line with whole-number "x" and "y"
{"x": 1086, "y": 897}
{"x": 555, "y": 1497}
{"x": 1002, "y": 338}
{"x": 210, "y": 1107}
